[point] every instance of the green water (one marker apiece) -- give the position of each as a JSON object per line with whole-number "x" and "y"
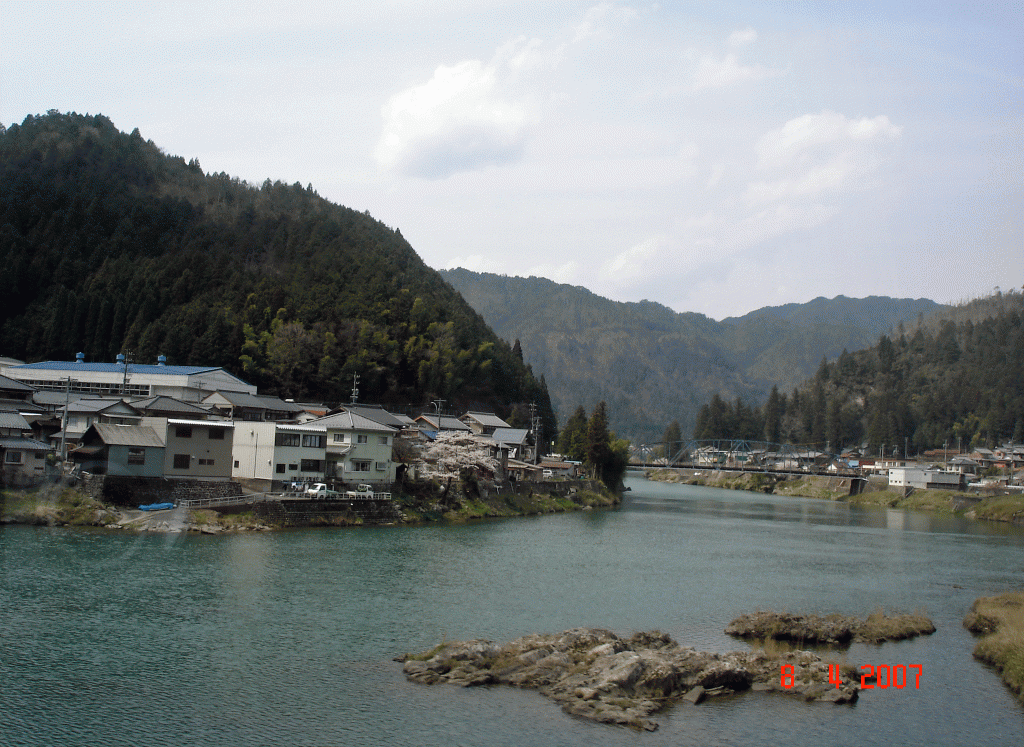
{"x": 287, "y": 638}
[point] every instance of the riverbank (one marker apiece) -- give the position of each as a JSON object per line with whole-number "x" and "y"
{"x": 1008, "y": 508}
{"x": 424, "y": 503}
{"x": 1000, "y": 622}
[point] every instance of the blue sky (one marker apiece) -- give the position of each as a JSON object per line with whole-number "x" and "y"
{"x": 714, "y": 157}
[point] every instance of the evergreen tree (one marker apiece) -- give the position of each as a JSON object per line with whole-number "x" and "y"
{"x": 672, "y": 440}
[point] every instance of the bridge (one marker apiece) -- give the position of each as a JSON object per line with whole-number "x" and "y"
{"x": 743, "y": 455}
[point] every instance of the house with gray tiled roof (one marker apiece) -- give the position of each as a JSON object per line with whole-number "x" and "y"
{"x": 252, "y": 407}
{"x": 22, "y": 458}
{"x": 359, "y": 450}
{"x": 483, "y": 423}
{"x": 123, "y": 450}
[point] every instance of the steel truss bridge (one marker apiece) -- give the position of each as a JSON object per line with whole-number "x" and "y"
{"x": 744, "y": 456}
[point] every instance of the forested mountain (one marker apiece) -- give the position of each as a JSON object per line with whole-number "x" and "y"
{"x": 107, "y": 245}
{"x": 653, "y": 365}
{"x": 956, "y": 377}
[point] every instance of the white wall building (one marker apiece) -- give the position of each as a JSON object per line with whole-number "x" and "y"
{"x": 359, "y": 450}
{"x": 271, "y": 456}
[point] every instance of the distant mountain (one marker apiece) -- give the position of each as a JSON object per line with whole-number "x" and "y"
{"x": 653, "y": 365}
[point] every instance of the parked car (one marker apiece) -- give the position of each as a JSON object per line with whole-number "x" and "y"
{"x": 320, "y": 490}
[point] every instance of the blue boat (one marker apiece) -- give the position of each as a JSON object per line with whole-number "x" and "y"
{"x": 156, "y": 506}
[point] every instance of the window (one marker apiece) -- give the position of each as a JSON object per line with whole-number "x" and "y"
{"x": 312, "y": 465}
{"x": 316, "y": 442}
{"x": 288, "y": 439}
{"x": 13, "y": 457}
{"x": 293, "y": 467}
{"x": 361, "y": 438}
{"x": 136, "y": 455}
{"x": 384, "y": 440}
{"x": 280, "y": 469}
{"x": 236, "y": 464}
{"x": 339, "y": 438}
{"x": 183, "y": 432}
{"x": 182, "y": 461}
{"x": 381, "y": 466}
{"x": 205, "y": 462}
{"x": 360, "y": 465}
{"x": 216, "y": 434}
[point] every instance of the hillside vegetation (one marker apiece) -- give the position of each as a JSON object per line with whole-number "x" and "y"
{"x": 653, "y": 365}
{"x": 109, "y": 245}
{"x": 956, "y": 378}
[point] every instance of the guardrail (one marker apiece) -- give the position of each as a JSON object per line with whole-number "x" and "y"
{"x": 234, "y": 500}
{"x": 252, "y": 498}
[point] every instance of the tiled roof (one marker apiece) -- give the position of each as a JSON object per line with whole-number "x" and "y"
{"x": 487, "y": 419}
{"x": 376, "y": 414}
{"x": 444, "y": 423}
{"x": 6, "y": 383}
{"x": 14, "y": 421}
{"x": 510, "y": 435}
{"x": 163, "y": 403}
{"x": 351, "y": 421}
{"x": 29, "y": 444}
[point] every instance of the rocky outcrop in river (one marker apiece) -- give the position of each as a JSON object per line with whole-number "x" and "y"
{"x": 830, "y": 629}
{"x": 595, "y": 674}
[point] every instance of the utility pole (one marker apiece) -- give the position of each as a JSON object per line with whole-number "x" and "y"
{"x": 64, "y": 423}
{"x": 355, "y": 388}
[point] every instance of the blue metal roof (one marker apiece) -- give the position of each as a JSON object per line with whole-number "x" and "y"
{"x": 117, "y": 368}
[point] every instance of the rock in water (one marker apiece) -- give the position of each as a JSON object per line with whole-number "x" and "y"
{"x": 595, "y": 674}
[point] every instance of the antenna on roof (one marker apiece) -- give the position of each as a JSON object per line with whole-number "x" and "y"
{"x": 355, "y": 388}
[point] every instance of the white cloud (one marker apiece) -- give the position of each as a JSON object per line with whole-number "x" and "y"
{"x": 819, "y": 153}
{"x": 460, "y": 120}
{"x": 594, "y": 21}
{"x": 712, "y": 72}
{"x": 742, "y": 38}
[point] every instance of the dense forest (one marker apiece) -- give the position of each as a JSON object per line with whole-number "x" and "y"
{"x": 649, "y": 363}
{"x": 108, "y": 245}
{"x": 956, "y": 379}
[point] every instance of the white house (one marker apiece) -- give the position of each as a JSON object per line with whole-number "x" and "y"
{"x": 271, "y": 456}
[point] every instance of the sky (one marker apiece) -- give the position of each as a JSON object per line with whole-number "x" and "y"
{"x": 713, "y": 157}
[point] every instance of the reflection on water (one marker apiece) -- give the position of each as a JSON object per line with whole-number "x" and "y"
{"x": 287, "y": 638}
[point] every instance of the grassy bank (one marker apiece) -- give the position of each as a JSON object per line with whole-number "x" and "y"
{"x": 54, "y": 505}
{"x": 1008, "y": 508}
{"x": 1000, "y": 622}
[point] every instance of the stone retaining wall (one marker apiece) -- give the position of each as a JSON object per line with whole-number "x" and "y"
{"x": 134, "y": 491}
{"x": 318, "y": 513}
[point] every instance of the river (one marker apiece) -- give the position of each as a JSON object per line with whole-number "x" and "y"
{"x": 287, "y": 638}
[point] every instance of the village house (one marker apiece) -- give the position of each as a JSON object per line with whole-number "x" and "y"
{"x": 276, "y": 456}
{"x": 195, "y": 449}
{"x": 252, "y": 407}
{"x": 359, "y": 450}
{"x": 483, "y": 423}
{"x": 120, "y": 450}
{"x": 22, "y": 458}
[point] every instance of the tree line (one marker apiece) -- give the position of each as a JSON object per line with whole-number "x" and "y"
{"x": 955, "y": 380}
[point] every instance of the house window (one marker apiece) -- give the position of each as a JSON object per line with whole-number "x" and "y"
{"x": 236, "y": 464}
{"x": 312, "y": 465}
{"x": 216, "y": 434}
{"x": 13, "y": 457}
{"x": 136, "y": 455}
{"x": 339, "y": 438}
{"x": 280, "y": 469}
{"x": 384, "y": 440}
{"x": 183, "y": 432}
{"x": 360, "y": 465}
{"x": 182, "y": 461}
{"x": 293, "y": 467}
{"x": 316, "y": 442}
{"x": 382, "y": 466}
{"x": 361, "y": 438}
{"x": 205, "y": 462}
{"x": 288, "y": 439}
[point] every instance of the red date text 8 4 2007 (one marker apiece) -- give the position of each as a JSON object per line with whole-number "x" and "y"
{"x": 884, "y": 676}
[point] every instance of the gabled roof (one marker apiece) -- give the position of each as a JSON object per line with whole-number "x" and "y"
{"x": 124, "y": 435}
{"x": 163, "y": 403}
{"x": 375, "y": 413}
{"x": 351, "y": 421}
{"x": 6, "y": 383}
{"x": 486, "y": 419}
{"x": 510, "y": 435}
{"x": 444, "y": 423}
{"x": 100, "y": 404}
{"x": 19, "y": 442}
{"x": 256, "y": 401}
{"x": 14, "y": 421}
